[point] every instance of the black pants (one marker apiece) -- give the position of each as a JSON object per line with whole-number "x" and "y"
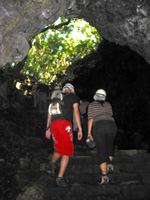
{"x": 104, "y": 133}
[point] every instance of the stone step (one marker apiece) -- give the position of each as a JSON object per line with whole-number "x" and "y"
{"x": 130, "y": 152}
{"x": 129, "y": 167}
{"x": 121, "y": 156}
{"x": 117, "y": 159}
{"x": 92, "y": 173}
{"x": 132, "y": 159}
{"x": 133, "y": 162}
{"x": 109, "y": 192}
{"x": 142, "y": 167}
{"x": 130, "y": 181}
{"x": 116, "y": 152}
{"x": 86, "y": 188}
{"x": 91, "y": 179}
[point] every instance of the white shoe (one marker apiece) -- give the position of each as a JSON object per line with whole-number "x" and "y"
{"x": 110, "y": 168}
{"x": 104, "y": 180}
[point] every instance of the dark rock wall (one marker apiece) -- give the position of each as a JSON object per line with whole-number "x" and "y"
{"x": 124, "y": 22}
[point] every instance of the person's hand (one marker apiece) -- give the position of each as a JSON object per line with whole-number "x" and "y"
{"x": 79, "y": 134}
{"x": 89, "y": 135}
{"x": 48, "y": 134}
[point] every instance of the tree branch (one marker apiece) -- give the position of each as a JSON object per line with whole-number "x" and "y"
{"x": 50, "y": 27}
{"x": 56, "y": 27}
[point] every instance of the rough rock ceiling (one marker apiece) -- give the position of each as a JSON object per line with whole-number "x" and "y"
{"x": 124, "y": 22}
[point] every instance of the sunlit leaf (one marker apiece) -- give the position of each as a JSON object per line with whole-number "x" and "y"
{"x": 55, "y": 49}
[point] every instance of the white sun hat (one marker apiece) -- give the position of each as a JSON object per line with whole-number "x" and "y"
{"x": 68, "y": 86}
{"x": 100, "y": 95}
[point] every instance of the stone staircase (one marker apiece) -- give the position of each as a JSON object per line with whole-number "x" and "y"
{"x": 131, "y": 178}
{"x": 130, "y": 181}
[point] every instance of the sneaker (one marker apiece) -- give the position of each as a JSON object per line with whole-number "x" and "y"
{"x": 61, "y": 182}
{"x": 50, "y": 167}
{"x": 110, "y": 168}
{"x": 104, "y": 180}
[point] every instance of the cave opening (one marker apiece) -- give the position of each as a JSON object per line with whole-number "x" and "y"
{"x": 120, "y": 71}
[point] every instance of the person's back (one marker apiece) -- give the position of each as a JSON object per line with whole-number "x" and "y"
{"x": 102, "y": 129}
{"x": 60, "y": 126}
{"x": 100, "y": 111}
{"x": 67, "y": 113}
{"x": 83, "y": 107}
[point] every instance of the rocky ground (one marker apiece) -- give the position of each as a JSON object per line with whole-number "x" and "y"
{"x": 22, "y": 136}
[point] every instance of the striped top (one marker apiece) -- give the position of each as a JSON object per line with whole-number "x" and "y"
{"x": 98, "y": 112}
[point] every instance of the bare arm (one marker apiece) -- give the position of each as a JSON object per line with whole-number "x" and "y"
{"x": 78, "y": 121}
{"x": 48, "y": 120}
{"x": 48, "y": 130}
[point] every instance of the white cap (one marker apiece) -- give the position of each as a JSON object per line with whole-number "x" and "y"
{"x": 100, "y": 95}
{"x": 57, "y": 88}
{"x": 68, "y": 86}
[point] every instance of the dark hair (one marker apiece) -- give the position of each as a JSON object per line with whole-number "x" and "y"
{"x": 101, "y": 102}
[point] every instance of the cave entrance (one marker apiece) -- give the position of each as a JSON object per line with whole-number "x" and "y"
{"x": 52, "y": 51}
{"x": 58, "y": 46}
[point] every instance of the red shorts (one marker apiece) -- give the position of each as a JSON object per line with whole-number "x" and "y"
{"x": 62, "y": 135}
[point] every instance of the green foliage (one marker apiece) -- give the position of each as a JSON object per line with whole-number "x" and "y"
{"x": 55, "y": 49}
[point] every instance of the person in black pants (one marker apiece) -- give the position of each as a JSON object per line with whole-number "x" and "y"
{"x": 100, "y": 118}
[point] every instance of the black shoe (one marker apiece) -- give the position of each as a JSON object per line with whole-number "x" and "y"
{"x": 50, "y": 167}
{"x": 61, "y": 182}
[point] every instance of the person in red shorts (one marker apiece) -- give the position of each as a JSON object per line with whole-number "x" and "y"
{"x": 60, "y": 126}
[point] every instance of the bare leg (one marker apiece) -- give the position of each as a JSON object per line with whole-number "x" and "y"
{"x": 55, "y": 157}
{"x": 103, "y": 168}
{"x": 110, "y": 167}
{"x": 105, "y": 178}
{"x": 63, "y": 165}
{"x": 111, "y": 158}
